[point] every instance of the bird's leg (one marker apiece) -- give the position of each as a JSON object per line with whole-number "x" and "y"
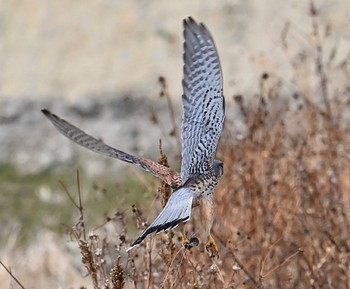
{"x": 185, "y": 240}
{"x": 211, "y": 247}
{"x": 188, "y": 243}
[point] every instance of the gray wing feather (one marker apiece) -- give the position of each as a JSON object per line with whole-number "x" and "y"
{"x": 203, "y": 100}
{"x": 177, "y": 209}
{"x": 75, "y": 134}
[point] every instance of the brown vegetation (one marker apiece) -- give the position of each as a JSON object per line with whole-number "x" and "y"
{"x": 282, "y": 216}
{"x": 282, "y": 206}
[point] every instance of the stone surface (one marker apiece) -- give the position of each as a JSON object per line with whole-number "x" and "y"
{"x": 97, "y": 65}
{"x": 74, "y": 49}
{"x": 30, "y": 141}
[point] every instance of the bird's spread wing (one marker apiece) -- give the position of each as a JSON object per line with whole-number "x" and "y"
{"x": 75, "y": 134}
{"x": 177, "y": 209}
{"x": 203, "y": 100}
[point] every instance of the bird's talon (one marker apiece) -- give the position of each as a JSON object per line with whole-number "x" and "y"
{"x": 212, "y": 248}
{"x": 189, "y": 244}
{"x": 185, "y": 242}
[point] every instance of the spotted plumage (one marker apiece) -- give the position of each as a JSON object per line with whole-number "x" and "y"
{"x": 75, "y": 134}
{"x": 203, "y": 117}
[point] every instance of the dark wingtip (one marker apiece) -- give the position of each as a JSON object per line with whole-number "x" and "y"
{"x": 188, "y": 21}
{"x": 137, "y": 241}
{"x": 156, "y": 229}
{"x": 45, "y": 111}
{"x": 49, "y": 114}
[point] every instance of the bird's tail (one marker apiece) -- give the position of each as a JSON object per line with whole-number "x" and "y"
{"x": 177, "y": 209}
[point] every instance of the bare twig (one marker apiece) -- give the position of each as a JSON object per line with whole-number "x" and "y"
{"x": 12, "y": 276}
{"x": 164, "y": 92}
{"x": 266, "y": 255}
{"x": 68, "y": 194}
{"x": 245, "y": 270}
{"x": 81, "y": 209}
{"x": 300, "y": 250}
{"x": 319, "y": 61}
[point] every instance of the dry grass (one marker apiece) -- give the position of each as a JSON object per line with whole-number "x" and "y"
{"x": 282, "y": 206}
{"x": 282, "y": 213}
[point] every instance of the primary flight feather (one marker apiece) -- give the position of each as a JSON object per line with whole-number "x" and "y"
{"x": 203, "y": 117}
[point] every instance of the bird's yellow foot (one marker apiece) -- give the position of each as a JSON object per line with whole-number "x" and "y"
{"x": 185, "y": 241}
{"x": 189, "y": 243}
{"x": 211, "y": 247}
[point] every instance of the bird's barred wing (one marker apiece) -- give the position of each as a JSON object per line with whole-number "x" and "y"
{"x": 177, "y": 209}
{"x": 75, "y": 134}
{"x": 203, "y": 100}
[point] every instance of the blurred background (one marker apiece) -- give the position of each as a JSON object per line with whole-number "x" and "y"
{"x": 97, "y": 64}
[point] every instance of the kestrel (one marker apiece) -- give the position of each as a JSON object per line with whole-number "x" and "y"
{"x": 203, "y": 117}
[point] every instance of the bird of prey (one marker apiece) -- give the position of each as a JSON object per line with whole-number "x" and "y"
{"x": 203, "y": 117}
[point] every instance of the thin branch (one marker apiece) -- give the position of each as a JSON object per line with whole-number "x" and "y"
{"x": 68, "y": 194}
{"x": 164, "y": 92}
{"x": 262, "y": 265}
{"x": 81, "y": 205}
{"x": 245, "y": 270}
{"x": 300, "y": 250}
{"x": 13, "y": 276}
{"x": 149, "y": 264}
{"x": 319, "y": 61}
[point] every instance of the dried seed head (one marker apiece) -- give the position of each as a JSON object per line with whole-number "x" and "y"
{"x": 117, "y": 275}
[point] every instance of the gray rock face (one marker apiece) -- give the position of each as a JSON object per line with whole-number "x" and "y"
{"x": 31, "y": 143}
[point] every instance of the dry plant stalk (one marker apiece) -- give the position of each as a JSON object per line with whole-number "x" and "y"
{"x": 282, "y": 206}
{"x": 117, "y": 275}
{"x": 88, "y": 261}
